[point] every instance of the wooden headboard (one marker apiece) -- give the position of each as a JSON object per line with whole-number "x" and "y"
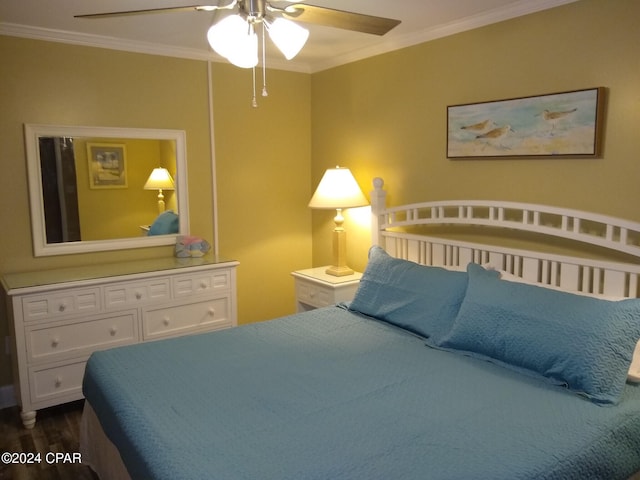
{"x": 394, "y": 229}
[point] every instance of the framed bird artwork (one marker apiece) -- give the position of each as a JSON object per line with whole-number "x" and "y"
{"x": 556, "y": 124}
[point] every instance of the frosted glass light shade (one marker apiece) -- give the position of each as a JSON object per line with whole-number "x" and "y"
{"x": 338, "y": 189}
{"x": 245, "y": 53}
{"x": 220, "y": 33}
{"x": 288, "y": 36}
{"x": 233, "y": 38}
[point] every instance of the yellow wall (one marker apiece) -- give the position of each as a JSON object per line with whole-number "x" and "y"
{"x": 53, "y": 83}
{"x": 107, "y": 213}
{"x": 167, "y": 159}
{"x": 263, "y": 161}
{"x": 386, "y": 116}
{"x": 263, "y": 156}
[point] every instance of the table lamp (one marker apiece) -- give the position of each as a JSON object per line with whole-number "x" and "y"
{"x": 338, "y": 189}
{"x": 160, "y": 179}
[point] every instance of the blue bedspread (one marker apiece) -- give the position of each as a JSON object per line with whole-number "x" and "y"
{"x": 332, "y": 395}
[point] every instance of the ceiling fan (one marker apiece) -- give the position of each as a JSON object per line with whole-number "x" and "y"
{"x": 234, "y": 36}
{"x": 257, "y": 10}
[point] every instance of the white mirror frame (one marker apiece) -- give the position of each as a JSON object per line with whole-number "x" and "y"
{"x": 40, "y": 245}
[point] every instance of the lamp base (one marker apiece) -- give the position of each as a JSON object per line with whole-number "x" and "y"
{"x": 339, "y": 267}
{"x": 337, "y": 271}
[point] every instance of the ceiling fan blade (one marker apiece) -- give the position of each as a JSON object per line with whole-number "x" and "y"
{"x": 150, "y": 10}
{"x": 330, "y": 17}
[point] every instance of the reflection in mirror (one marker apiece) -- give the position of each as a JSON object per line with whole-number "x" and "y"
{"x": 89, "y": 188}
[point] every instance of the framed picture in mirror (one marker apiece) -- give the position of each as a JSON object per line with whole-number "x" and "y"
{"x": 107, "y": 165}
{"x": 58, "y": 165}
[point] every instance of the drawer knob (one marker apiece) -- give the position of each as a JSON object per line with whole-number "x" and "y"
{"x": 113, "y": 331}
{"x": 55, "y": 341}
{"x": 211, "y": 312}
{"x": 58, "y": 381}
{"x": 62, "y": 307}
{"x": 138, "y": 295}
{"x": 166, "y": 321}
{"x": 203, "y": 285}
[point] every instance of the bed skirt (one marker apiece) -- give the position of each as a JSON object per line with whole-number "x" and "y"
{"x": 98, "y": 453}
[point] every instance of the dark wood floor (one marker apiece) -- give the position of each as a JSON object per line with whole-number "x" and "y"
{"x": 56, "y": 430}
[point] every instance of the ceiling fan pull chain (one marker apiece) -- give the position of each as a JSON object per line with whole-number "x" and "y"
{"x": 254, "y": 102}
{"x": 264, "y": 64}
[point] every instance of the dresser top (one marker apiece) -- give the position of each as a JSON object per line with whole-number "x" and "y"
{"x": 26, "y": 280}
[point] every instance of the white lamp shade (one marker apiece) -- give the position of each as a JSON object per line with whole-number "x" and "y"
{"x": 233, "y": 38}
{"x": 288, "y": 36}
{"x": 220, "y": 33}
{"x": 338, "y": 189}
{"x": 245, "y": 54}
{"x": 160, "y": 179}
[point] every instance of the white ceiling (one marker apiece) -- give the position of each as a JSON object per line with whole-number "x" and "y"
{"x": 183, "y": 34}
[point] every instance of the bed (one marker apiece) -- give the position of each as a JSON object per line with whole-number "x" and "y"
{"x": 455, "y": 360}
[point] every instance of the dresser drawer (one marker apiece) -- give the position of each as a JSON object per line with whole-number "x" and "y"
{"x": 314, "y": 295}
{"x": 56, "y": 341}
{"x": 57, "y": 381}
{"x": 201, "y": 283}
{"x": 62, "y": 302}
{"x": 59, "y": 320}
{"x": 210, "y": 314}
{"x": 137, "y": 293}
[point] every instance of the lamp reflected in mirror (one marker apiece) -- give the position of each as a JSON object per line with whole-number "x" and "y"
{"x": 160, "y": 179}
{"x": 69, "y": 214}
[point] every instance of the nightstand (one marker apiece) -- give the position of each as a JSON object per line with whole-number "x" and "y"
{"x": 315, "y": 288}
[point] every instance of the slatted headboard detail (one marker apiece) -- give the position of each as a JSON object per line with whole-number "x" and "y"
{"x": 572, "y": 273}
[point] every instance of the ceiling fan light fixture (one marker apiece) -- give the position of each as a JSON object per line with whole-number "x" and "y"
{"x": 288, "y": 36}
{"x": 220, "y": 32}
{"x": 235, "y": 39}
{"x": 245, "y": 53}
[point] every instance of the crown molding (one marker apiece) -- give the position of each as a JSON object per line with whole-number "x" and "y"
{"x": 100, "y": 41}
{"x": 112, "y": 43}
{"x": 523, "y": 7}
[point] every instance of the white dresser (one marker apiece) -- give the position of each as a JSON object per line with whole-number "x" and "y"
{"x": 57, "y": 318}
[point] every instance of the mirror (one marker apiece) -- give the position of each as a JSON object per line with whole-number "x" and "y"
{"x": 89, "y": 188}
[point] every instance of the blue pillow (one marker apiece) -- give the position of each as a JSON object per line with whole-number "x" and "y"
{"x": 164, "y": 224}
{"x": 583, "y": 343}
{"x": 424, "y": 300}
